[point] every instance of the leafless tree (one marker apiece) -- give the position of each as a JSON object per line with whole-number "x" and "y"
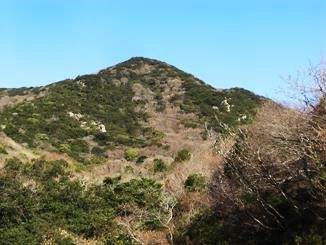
{"x": 278, "y": 163}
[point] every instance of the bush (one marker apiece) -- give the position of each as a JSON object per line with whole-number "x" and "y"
{"x": 131, "y": 154}
{"x": 152, "y": 223}
{"x": 159, "y": 165}
{"x": 95, "y": 160}
{"x": 79, "y": 146}
{"x": 98, "y": 151}
{"x": 65, "y": 148}
{"x": 183, "y": 155}
{"x": 56, "y": 202}
{"x": 204, "y": 228}
{"x": 195, "y": 182}
{"x": 3, "y": 150}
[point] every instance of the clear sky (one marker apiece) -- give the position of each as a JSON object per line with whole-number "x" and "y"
{"x": 244, "y": 43}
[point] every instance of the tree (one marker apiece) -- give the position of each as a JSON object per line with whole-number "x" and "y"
{"x": 272, "y": 185}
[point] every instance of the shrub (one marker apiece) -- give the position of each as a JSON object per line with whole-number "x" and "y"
{"x": 98, "y": 151}
{"x": 152, "y": 223}
{"x": 65, "y": 148}
{"x": 159, "y": 165}
{"x": 3, "y": 150}
{"x": 79, "y": 145}
{"x": 204, "y": 228}
{"x": 131, "y": 154}
{"x": 95, "y": 160}
{"x": 195, "y": 182}
{"x": 183, "y": 155}
{"x": 57, "y": 202}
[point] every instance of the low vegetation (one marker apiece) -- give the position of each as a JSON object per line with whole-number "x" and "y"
{"x": 195, "y": 182}
{"x": 159, "y": 166}
{"x": 72, "y": 110}
{"x": 131, "y": 154}
{"x": 3, "y": 150}
{"x": 39, "y": 199}
{"x": 182, "y": 156}
{"x": 220, "y": 109}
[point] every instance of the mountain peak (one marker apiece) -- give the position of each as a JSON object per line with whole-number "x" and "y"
{"x": 143, "y": 60}
{"x": 136, "y": 63}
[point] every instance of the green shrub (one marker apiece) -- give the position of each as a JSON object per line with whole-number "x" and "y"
{"x": 131, "y": 154}
{"x": 204, "y": 228}
{"x": 65, "y": 148}
{"x": 94, "y": 160}
{"x": 195, "y": 182}
{"x": 79, "y": 167}
{"x": 159, "y": 165}
{"x": 63, "y": 240}
{"x": 3, "y": 150}
{"x": 57, "y": 202}
{"x": 98, "y": 151}
{"x": 13, "y": 165}
{"x": 85, "y": 164}
{"x": 79, "y": 146}
{"x": 183, "y": 155}
{"x": 152, "y": 223}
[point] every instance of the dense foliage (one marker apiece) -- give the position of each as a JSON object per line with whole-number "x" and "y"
{"x": 3, "y": 150}
{"x": 159, "y": 165}
{"x": 182, "y": 156}
{"x": 221, "y": 109}
{"x": 75, "y": 109}
{"x": 38, "y": 200}
{"x": 195, "y": 182}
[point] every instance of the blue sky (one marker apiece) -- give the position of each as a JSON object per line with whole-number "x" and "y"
{"x": 249, "y": 44}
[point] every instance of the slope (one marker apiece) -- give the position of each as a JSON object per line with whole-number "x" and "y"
{"x": 138, "y": 119}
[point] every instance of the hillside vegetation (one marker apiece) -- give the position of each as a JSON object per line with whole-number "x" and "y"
{"x": 130, "y": 155}
{"x": 39, "y": 200}
{"x": 271, "y": 188}
{"x": 103, "y": 106}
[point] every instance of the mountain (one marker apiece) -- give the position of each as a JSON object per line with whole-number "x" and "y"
{"x": 116, "y": 106}
{"x": 138, "y": 131}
